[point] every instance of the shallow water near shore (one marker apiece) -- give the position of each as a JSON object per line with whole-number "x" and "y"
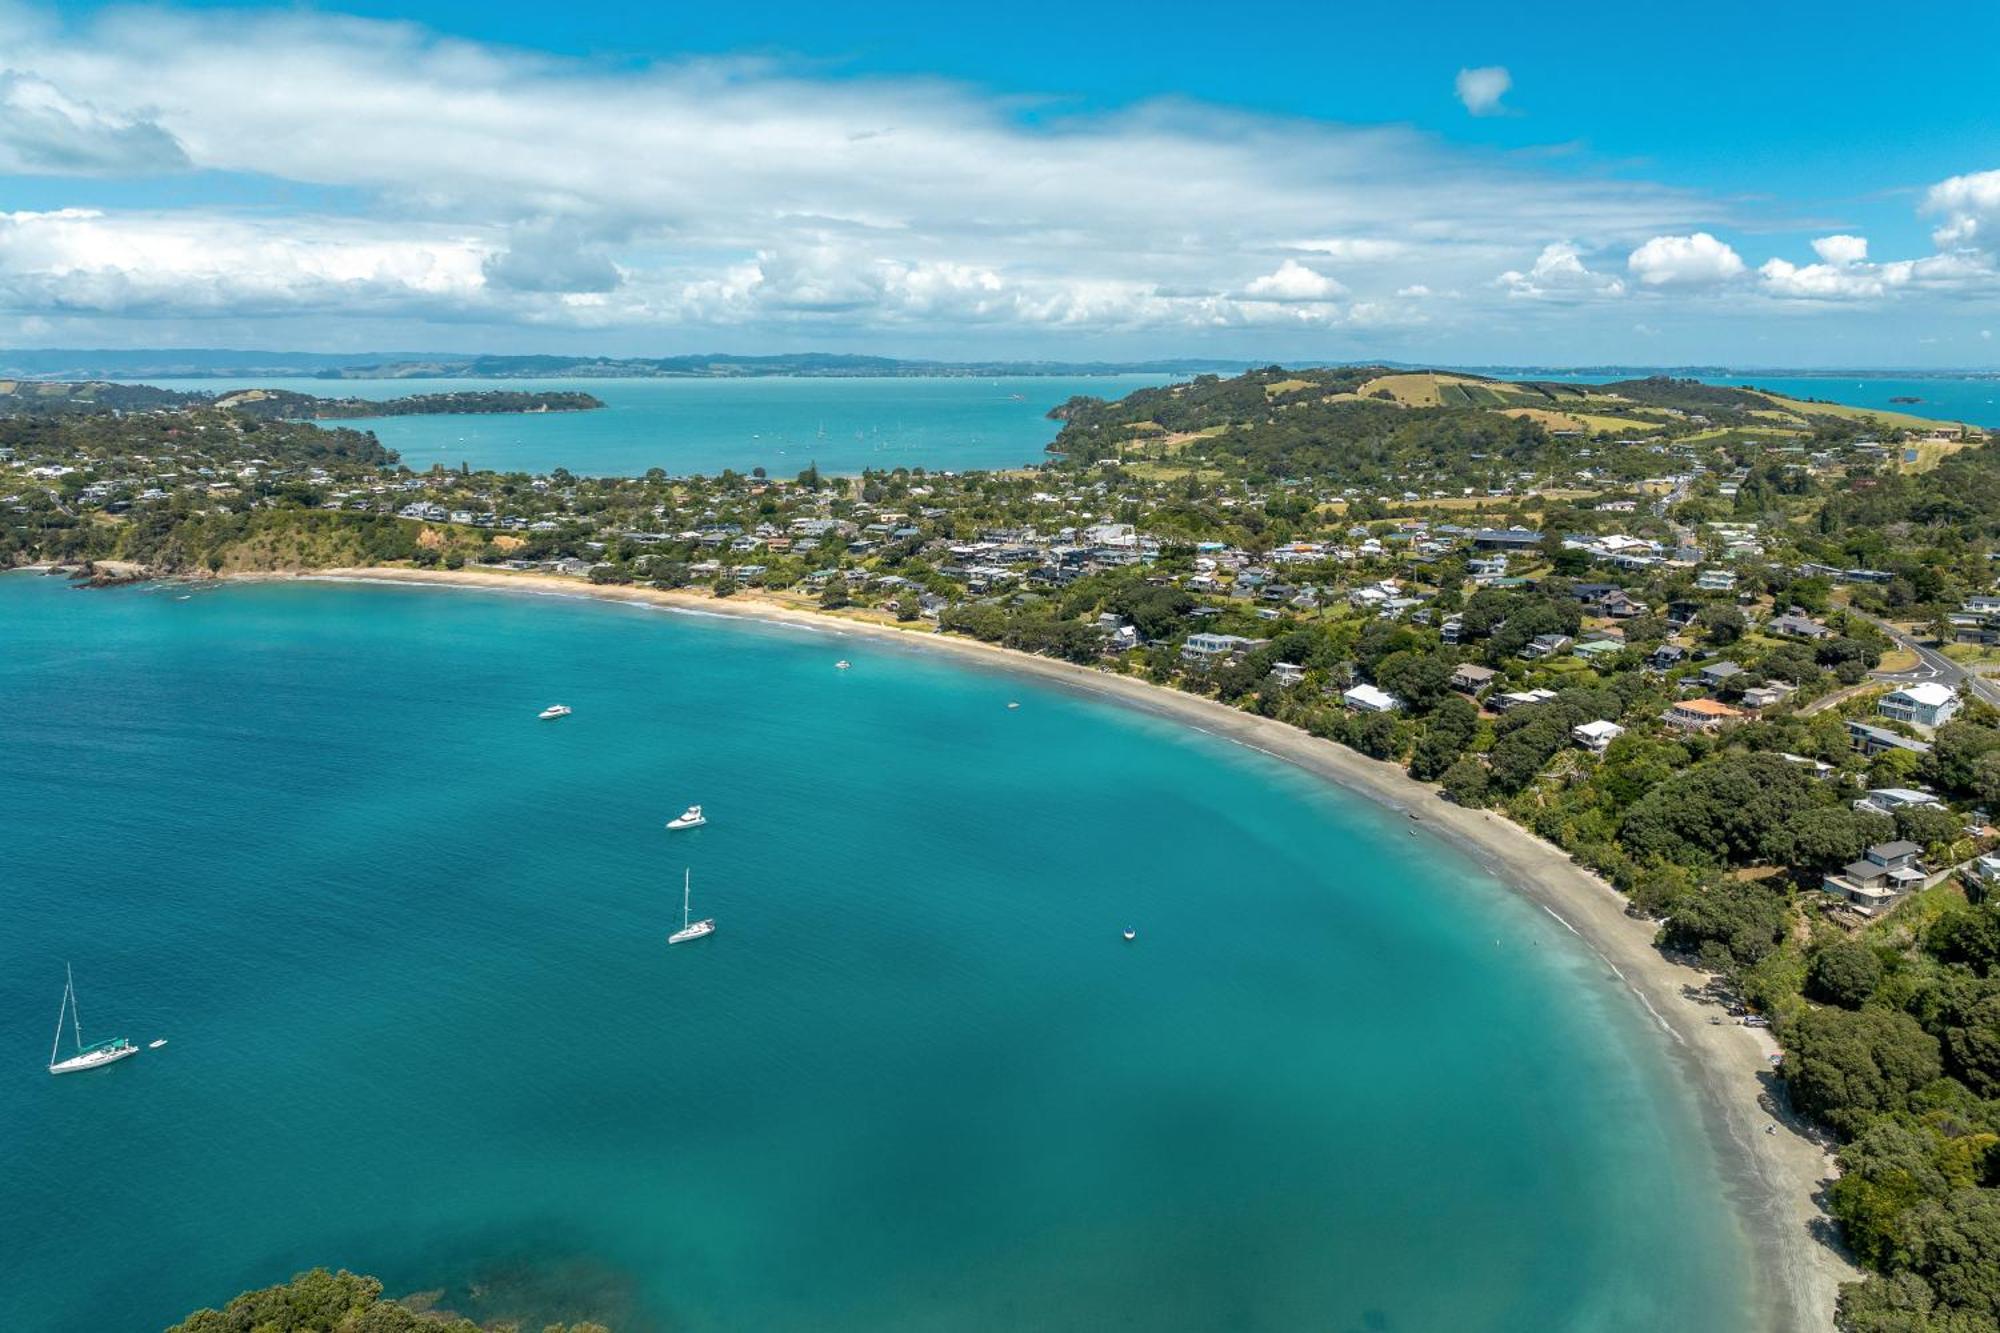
{"x": 408, "y": 944}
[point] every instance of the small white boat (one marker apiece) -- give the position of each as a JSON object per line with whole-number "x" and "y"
{"x": 1131, "y": 934}
{"x": 692, "y": 817}
{"x": 553, "y": 711}
{"x": 842, "y": 664}
{"x": 1013, "y": 705}
{"x": 156, "y": 1043}
{"x": 690, "y": 930}
{"x": 86, "y": 1057}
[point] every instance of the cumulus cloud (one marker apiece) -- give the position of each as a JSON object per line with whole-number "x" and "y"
{"x": 1559, "y": 273}
{"x": 43, "y": 131}
{"x": 1697, "y": 260}
{"x": 1970, "y": 206}
{"x": 1841, "y": 249}
{"x": 1293, "y": 281}
{"x": 1481, "y": 89}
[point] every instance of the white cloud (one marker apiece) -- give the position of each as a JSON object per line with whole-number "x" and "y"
{"x": 1481, "y": 89}
{"x": 1841, "y": 249}
{"x": 1293, "y": 281}
{"x": 1559, "y": 273}
{"x": 1970, "y": 206}
{"x": 44, "y": 131}
{"x": 1698, "y": 260}
{"x": 1823, "y": 282}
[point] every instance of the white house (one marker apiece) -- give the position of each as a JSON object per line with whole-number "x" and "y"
{"x": 1595, "y": 736}
{"x": 1925, "y": 705}
{"x": 1368, "y": 699}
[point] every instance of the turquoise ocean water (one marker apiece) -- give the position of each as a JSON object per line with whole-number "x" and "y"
{"x": 409, "y": 947}
{"x": 704, "y": 425}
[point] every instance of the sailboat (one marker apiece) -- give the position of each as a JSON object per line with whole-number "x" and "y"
{"x": 86, "y": 1057}
{"x": 690, "y": 930}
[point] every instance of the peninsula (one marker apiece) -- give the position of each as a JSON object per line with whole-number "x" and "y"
{"x": 1699, "y": 668}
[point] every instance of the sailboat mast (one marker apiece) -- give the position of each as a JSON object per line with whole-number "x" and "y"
{"x": 75, "y": 1014}
{"x": 687, "y": 884}
{"x": 56, "y": 1049}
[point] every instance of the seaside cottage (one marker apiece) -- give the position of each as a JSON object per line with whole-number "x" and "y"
{"x": 1884, "y": 872}
{"x": 1701, "y": 715}
{"x": 1369, "y": 699}
{"x": 1596, "y": 736}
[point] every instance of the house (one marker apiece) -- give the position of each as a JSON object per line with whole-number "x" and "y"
{"x": 1928, "y": 704}
{"x": 1452, "y": 630}
{"x": 1884, "y": 871}
{"x": 1204, "y": 649}
{"x": 1368, "y": 699}
{"x": 1796, "y": 624}
{"x": 1871, "y": 741}
{"x": 1700, "y": 715}
{"x": 1767, "y": 695}
{"x": 1546, "y": 645}
{"x": 1470, "y": 678}
{"x": 1716, "y": 673}
{"x": 1487, "y": 566}
{"x": 1595, "y": 650}
{"x": 1888, "y": 800}
{"x": 1506, "y": 539}
{"x": 1286, "y": 674}
{"x": 1715, "y": 580}
{"x": 1666, "y": 657}
{"x": 1504, "y": 703}
{"x": 1595, "y": 736}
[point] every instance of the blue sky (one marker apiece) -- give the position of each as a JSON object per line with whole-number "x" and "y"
{"x": 1546, "y": 183}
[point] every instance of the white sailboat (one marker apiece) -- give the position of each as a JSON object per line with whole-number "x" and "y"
{"x": 690, "y": 930}
{"x": 86, "y": 1057}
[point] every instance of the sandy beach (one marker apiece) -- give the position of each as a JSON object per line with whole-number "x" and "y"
{"x": 1774, "y": 1178}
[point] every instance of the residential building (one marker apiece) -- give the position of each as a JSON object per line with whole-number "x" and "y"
{"x": 1595, "y": 736}
{"x": 1368, "y": 699}
{"x": 1701, "y": 715}
{"x": 1871, "y": 741}
{"x": 1927, "y": 704}
{"x": 1886, "y": 870}
{"x": 1471, "y": 678}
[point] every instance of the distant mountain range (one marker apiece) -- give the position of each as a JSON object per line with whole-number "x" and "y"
{"x": 211, "y": 363}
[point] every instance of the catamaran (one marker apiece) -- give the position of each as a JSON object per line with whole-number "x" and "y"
{"x": 692, "y": 817}
{"x": 690, "y": 930}
{"x": 86, "y": 1057}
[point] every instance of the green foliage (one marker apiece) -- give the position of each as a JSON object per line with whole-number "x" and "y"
{"x": 1845, "y": 973}
{"x": 1734, "y": 809}
{"x": 1844, "y": 1066}
{"x": 1729, "y": 924}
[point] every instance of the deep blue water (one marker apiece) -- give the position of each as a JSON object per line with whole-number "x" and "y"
{"x": 409, "y": 947}
{"x": 705, "y": 425}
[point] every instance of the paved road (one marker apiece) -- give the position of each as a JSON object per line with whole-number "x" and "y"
{"x": 1932, "y": 665}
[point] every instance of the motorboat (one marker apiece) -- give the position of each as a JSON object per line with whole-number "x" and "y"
{"x": 554, "y": 711}
{"x": 692, "y": 817}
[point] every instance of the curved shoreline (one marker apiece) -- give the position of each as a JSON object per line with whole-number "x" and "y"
{"x": 1773, "y": 1179}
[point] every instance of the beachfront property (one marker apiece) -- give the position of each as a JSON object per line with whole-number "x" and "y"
{"x": 1885, "y": 872}
{"x": 1206, "y": 650}
{"x": 1928, "y": 704}
{"x": 1368, "y": 699}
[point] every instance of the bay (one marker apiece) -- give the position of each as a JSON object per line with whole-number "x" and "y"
{"x": 780, "y": 423}
{"x": 408, "y": 945}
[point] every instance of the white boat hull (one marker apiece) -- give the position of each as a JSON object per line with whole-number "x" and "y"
{"x": 692, "y": 932}
{"x": 76, "y": 1064}
{"x": 686, "y": 823}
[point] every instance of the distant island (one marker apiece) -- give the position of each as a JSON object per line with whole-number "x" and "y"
{"x": 1906, "y": 398}
{"x": 101, "y": 364}
{"x": 49, "y": 397}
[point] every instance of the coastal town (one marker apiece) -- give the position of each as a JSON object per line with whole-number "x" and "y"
{"x": 1726, "y": 650}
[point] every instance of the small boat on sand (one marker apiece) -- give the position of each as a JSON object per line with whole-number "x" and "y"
{"x": 553, "y": 711}
{"x": 692, "y": 817}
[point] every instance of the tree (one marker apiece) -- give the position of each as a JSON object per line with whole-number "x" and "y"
{"x": 1421, "y": 680}
{"x": 1970, "y": 937}
{"x": 1972, "y": 1046}
{"x": 1729, "y": 924}
{"x": 1954, "y": 1242}
{"x": 1843, "y": 1066}
{"x": 1831, "y": 835}
{"x": 1932, "y": 827}
{"x": 1845, "y": 973}
{"x": 321, "y": 1302}
{"x": 1447, "y": 732}
{"x": 1956, "y": 749}
{"x": 1725, "y": 624}
{"x": 1886, "y": 1171}
{"x": 1466, "y": 781}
